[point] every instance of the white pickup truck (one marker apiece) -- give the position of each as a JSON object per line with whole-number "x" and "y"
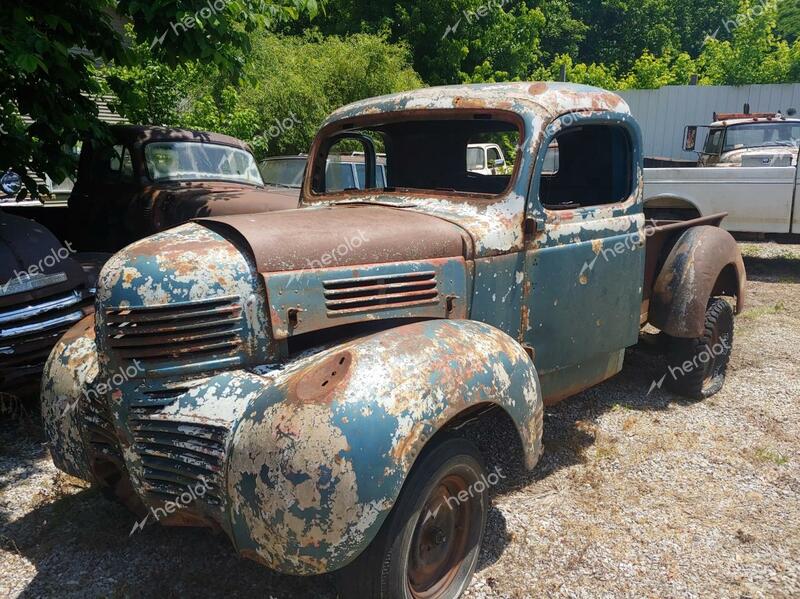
{"x": 754, "y": 179}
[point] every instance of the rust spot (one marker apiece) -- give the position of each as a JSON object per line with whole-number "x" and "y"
{"x": 462, "y": 102}
{"x": 319, "y": 384}
{"x": 538, "y": 88}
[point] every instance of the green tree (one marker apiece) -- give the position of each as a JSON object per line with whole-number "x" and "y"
{"x": 49, "y": 51}
{"x": 300, "y": 80}
{"x": 289, "y": 85}
{"x": 789, "y": 19}
{"x": 754, "y": 54}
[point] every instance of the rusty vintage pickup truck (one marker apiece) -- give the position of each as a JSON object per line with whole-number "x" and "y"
{"x": 301, "y": 380}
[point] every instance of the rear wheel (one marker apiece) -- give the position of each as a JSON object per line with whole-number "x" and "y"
{"x": 428, "y": 547}
{"x": 708, "y": 355}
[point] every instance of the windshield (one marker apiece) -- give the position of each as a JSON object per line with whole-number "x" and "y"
{"x": 429, "y": 156}
{"x": 282, "y": 172}
{"x": 191, "y": 161}
{"x": 759, "y": 135}
{"x": 475, "y": 161}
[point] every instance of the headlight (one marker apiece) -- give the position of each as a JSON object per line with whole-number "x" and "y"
{"x": 11, "y": 183}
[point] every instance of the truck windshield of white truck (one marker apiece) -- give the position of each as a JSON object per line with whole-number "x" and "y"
{"x": 755, "y": 135}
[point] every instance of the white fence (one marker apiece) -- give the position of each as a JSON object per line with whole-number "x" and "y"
{"x": 663, "y": 113}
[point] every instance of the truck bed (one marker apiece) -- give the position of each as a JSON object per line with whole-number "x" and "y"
{"x": 757, "y": 200}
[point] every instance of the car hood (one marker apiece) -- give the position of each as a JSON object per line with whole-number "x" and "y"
{"x": 313, "y": 237}
{"x": 29, "y": 253}
{"x": 183, "y": 202}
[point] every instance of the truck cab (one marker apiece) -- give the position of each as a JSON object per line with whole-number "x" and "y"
{"x": 748, "y": 140}
{"x": 316, "y": 369}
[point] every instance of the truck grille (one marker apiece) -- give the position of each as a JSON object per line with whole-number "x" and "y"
{"x": 367, "y": 294}
{"x": 28, "y": 333}
{"x": 179, "y": 455}
{"x": 198, "y": 330}
{"x": 99, "y": 425}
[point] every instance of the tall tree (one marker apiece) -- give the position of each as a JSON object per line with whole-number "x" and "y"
{"x": 49, "y": 50}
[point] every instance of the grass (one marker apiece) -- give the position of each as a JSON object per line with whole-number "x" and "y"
{"x": 765, "y": 454}
{"x": 755, "y": 313}
{"x": 755, "y": 250}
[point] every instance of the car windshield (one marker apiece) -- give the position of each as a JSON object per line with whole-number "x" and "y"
{"x": 284, "y": 172}
{"x": 191, "y": 161}
{"x": 762, "y": 134}
{"x": 444, "y": 155}
{"x": 475, "y": 159}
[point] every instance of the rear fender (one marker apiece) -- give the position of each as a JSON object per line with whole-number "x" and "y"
{"x": 705, "y": 262}
{"x": 319, "y": 458}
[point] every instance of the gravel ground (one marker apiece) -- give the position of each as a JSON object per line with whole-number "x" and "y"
{"x": 638, "y": 495}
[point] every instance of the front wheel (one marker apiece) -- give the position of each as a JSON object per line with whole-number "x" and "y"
{"x": 697, "y": 367}
{"x": 428, "y": 547}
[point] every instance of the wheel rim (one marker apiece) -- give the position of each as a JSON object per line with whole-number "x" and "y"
{"x": 441, "y": 540}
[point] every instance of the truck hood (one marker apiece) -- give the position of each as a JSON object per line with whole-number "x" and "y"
{"x": 29, "y": 254}
{"x": 343, "y": 235}
{"x": 182, "y": 202}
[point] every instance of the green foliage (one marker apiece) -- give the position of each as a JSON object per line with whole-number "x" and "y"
{"x": 288, "y": 86}
{"x": 49, "y": 52}
{"x": 591, "y": 74}
{"x": 302, "y": 80}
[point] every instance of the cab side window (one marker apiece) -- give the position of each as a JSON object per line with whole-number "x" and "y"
{"x": 593, "y": 168}
{"x": 114, "y": 164}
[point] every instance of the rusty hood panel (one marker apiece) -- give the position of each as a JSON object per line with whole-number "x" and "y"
{"x": 177, "y": 204}
{"x": 344, "y": 235}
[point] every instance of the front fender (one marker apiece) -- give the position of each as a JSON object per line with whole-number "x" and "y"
{"x": 69, "y": 373}
{"x": 319, "y": 458}
{"x": 706, "y": 261}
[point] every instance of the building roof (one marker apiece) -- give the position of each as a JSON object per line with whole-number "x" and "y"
{"x": 545, "y": 100}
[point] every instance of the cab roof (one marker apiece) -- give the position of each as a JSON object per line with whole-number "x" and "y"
{"x": 544, "y": 100}
{"x": 141, "y": 134}
{"x": 754, "y": 120}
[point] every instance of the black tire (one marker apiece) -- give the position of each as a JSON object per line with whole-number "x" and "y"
{"x": 706, "y": 377}
{"x": 412, "y": 556}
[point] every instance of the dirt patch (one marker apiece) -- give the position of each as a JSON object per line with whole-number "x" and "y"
{"x": 638, "y": 494}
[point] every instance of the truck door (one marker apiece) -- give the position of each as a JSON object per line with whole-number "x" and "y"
{"x": 584, "y": 252}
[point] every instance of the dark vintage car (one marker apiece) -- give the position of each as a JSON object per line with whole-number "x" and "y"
{"x": 151, "y": 179}
{"x": 45, "y": 288}
{"x": 155, "y": 178}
